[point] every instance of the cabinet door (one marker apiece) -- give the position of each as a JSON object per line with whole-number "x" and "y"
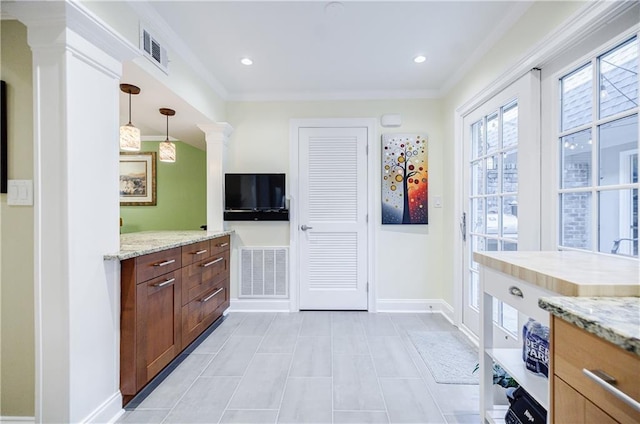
{"x": 595, "y": 415}
{"x": 568, "y": 405}
{"x": 158, "y": 325}
{"x": 571, "y": 407}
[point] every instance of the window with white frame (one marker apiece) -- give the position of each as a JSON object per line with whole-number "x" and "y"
{"x": 598, "y": 152}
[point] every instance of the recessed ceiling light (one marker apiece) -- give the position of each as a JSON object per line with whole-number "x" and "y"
{"x": 419, "y": 59}
{"x": 246, "y": 61}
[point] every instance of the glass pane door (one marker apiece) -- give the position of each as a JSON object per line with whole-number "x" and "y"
{"x": 493, "y": 197}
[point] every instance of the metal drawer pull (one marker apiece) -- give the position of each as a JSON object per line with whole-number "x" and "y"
{"x": 223, "y": 245}
{"x": 164, "y": 283}
{"x": 206, "y": 299}
{"x": 199, "y": 252}
{"x": 211, "y": 263}
{"x": 170, "y": 261}
{"x": 607, "y": 382}
{"x": 515, "y": 291}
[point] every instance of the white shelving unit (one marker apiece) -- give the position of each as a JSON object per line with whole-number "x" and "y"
{"x": 497, "y": 346}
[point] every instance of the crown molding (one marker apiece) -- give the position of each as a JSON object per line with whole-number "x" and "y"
{"x": 152, "y": 19}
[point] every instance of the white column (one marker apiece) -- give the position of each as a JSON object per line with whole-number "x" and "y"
{"x": 77, "y": 64}
{"x": 217, "y": 138}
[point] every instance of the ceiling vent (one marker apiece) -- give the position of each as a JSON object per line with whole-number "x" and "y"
{"x": 154, "y": 51}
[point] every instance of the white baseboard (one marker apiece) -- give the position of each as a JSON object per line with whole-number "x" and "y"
{"x": 108, "y": 412}
{"x": 416, "y": 306}
{"x": 259, "y": 305}
{"x": 17, "y": 420}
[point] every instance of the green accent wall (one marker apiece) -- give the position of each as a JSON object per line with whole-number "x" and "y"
{"x": 181, "y": 193}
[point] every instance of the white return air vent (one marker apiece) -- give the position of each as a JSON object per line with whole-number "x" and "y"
{"x": 153, "y": 50}
{"x": 264, "y": 272}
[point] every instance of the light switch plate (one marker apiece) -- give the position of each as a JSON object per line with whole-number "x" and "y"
{"x": 20, "y": 193}
{"x": 437, "y": 201}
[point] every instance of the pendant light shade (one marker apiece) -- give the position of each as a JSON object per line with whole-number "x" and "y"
{"x": 167, "y": 148}
{"x": 129, "y": 135}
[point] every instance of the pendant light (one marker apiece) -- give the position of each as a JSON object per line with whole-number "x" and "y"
{"x": 129, "y": 135}
{"x": 167, "y": 148}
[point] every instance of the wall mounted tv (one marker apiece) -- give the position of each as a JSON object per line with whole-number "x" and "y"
{"x": 255, "y": 197}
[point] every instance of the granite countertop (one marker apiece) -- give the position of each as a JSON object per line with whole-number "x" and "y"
{"x": 144, "y": 242}
{"x": 615, "y": 319}
{"x": 568, "y": 273}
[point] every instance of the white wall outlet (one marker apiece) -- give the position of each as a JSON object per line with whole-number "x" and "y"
{"x": 437, "y": 201}
{"x": 20, "y": 193}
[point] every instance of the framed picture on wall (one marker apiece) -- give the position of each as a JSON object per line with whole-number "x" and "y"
{"x": 3, "y": 138}
{"x": 138, "y": 179}
{"x": 405, "y": 179}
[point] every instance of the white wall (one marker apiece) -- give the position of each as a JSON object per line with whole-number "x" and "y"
{"x": 409, "y": 258}
{"x": 17, "y": 344}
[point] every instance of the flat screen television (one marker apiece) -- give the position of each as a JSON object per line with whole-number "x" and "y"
{"x": 254, "y": 192}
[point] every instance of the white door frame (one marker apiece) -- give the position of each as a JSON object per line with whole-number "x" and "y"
{"x": 294, "y": 272}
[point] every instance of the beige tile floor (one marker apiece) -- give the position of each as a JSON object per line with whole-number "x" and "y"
{"x": 307, "y": 367}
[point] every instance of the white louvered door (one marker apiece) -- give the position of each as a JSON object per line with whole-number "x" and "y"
{"x": 333, "y": 218}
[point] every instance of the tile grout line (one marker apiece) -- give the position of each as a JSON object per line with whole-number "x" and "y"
{"x": 286, "y": 380}
{"x": 333, "y": 411}
{"x": 199, "y": 375}
{"x": 384, "y": 400}
{"x": 226, "y": 408}
{"x": 404, "y": 341}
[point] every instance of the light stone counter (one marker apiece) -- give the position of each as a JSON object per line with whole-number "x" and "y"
{"x": 568, "y": 273}
{"x": 144, "y": 242}
{"x": 615, "y": 319}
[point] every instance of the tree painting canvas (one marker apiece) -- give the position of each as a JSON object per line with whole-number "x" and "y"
{"x": 405, "y": 179}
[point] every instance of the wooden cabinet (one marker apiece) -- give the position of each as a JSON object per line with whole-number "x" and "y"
{"x": 158, "y": 330}
{"x": 580, "y": 398}
{"x": 168, "y": 299}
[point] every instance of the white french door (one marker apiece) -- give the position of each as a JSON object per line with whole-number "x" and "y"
{"x": 332, "y": 205}
{"x": 501, "y": 193}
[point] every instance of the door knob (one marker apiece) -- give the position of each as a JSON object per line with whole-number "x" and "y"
{"x": 305, "y": 228}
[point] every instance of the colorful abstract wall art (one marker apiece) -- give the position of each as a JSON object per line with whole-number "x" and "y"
{"x": 405, "y": 179}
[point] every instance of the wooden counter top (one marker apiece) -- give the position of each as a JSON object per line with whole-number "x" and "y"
{"x": 568, "y": 273}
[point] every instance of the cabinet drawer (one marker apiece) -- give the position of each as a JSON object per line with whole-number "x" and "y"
{"x": 202, "y": 276}
{"x": 517, "y": 293}
{"x": 220, "y": 244}
{"x": 576, "y": 350}
{"x": 155, "y": 264}
{"x": 195, "y": 252}
{"x": 201, "y": 312}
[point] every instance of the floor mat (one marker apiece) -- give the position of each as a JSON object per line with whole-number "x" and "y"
{"x": 449, "y": 356}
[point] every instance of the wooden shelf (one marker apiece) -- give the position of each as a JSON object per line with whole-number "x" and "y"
{"x": 511, "y": 361}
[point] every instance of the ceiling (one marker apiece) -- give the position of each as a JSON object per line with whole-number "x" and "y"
{"x": 314, "y": 50}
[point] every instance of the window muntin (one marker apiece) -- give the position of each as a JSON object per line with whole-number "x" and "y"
{"x": 494, "y": 196}
{"x": 598, "y": 206}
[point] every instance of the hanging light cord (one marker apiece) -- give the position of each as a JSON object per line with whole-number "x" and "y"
{"x": 167, "y": 128}
{"x": 129, "y": 107}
